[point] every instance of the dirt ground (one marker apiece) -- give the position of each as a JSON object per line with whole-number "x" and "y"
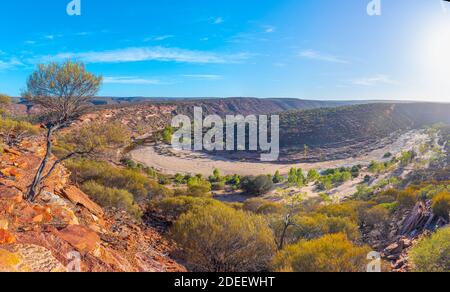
{"x": 173, "y": 161}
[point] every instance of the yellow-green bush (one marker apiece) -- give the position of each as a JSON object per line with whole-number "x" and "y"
{"x": 218, "y": 238}
{"x": 261, "y": 206}
{"x": 14, "y": 132}
{"x": 350, "y": 209}
{"x": 407, "y": 199}
{"x": 199, "y": 187}
{"x": 331, "y": 253}
{"x": 377, "y": 215}
{"x": 432, "y": 254}
{"x": 132, "y": 180}
{"x": 311, "y": 227}
{"x": 176, "y": 206}
{"x": 441, "y": 205}
{"x": 111, "y": 197}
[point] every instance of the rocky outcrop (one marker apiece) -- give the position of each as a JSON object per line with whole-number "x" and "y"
{"x": 406, "y": 230}
{"x": 65, "y": 230}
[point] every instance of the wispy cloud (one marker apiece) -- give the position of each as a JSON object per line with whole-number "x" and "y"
{"x": 133, "y": 80}
{"x": 83, "y": 33}
{"x": 159, "y": 38}
{"x": 269, "y": 28}
{"x": 161, "y": 54}
{"x": 218, "y": 20}
{"x": 10, "y": 64}
{"x": 203, "y": 76}
{"x": 373, "y": 81}
{"x": 52, "y": 36}
{"x": 315, "y": 55}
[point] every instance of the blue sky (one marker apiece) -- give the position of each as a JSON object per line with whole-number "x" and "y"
{"x": 312, "y": 49}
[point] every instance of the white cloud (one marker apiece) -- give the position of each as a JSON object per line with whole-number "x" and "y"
{"x": 142, "y": 54}
{"x": 269, "y": 29}
{"x": 10, "y": 64}
{"x": 315, "y": 55}
{"x": 203, "y": 76}
{"x": 130, "y": 80}
{"x": 30, "y": 42}
{"x": 218, "y": 20}
{"x": 373, "y": 81}
{"x": 159, "y": 38}
{"x": 83, "y": 33}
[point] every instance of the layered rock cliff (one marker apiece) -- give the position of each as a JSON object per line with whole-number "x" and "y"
{"x": 64, "y": 230}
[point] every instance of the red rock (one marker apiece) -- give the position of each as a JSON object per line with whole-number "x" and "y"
{"x": 77, "y": 197}
{"x": 6, "y": 237}
{"x": 81, "y": 238}
{"x": 12, "y": 151}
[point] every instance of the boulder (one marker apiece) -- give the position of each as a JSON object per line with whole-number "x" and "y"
{"x": 77, "y": 197}
{"x": 394, "y": 249}
{"x": 81, "y": 238}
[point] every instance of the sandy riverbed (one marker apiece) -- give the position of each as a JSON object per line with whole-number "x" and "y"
{"x": 199, "y": 163}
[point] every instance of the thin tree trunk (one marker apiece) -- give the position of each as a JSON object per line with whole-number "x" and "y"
{"x": 283, "y": 235}
{"x": 33, "y": 191}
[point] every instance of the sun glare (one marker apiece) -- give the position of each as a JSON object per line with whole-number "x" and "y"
{"x": 435, "y": 57}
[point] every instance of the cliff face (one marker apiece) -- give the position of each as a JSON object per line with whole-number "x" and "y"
{"x": 64, "y": 229}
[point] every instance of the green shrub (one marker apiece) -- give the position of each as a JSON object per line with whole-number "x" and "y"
{"x": 296, "y": 177}
{"x": 14, "y": 132}
{"x": 176, "y": 206}
{"x": 313, "y": 175}
{"x": 377, "y": 215}
{"x": 132, "y": 180}
{"x": 218, "y": 238}
{"x": 167, "y": 135}
{"x": 331, "y": 253}
{"x": 278, "y": 178}
{"x": 441, "y": 205}
{"x": 261, "y": 206}
{"x": 312, "y": 227}
{"x": 407, "y": 157}
{"x": 432, "y": 254}
{"x": 218, "y": 186}
{"x": 407, "y": 199}
{"x": 111, "y": 197}
{"x": 259, "y": 185}
{"x": 199, "y": 187}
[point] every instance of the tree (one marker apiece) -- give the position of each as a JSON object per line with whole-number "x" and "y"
{"x": 63, "y": 91}
{"x": 217, "y": 238}
{"x": 331, "y": 253}
{"x": 91, "y": 141}
{"x": 281, "y": 227}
